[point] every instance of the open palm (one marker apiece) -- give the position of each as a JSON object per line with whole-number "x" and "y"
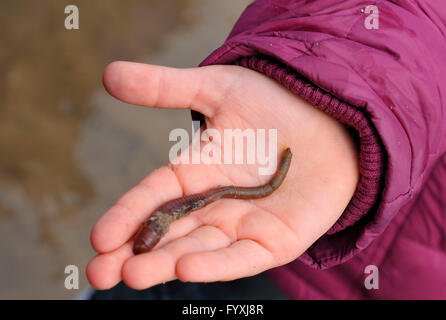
{"x": 228, "y": 239}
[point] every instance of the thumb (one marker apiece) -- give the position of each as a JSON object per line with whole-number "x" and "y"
{"x": 164, "y": 87}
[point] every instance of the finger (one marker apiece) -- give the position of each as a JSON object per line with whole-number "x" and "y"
{"x": 164, "y": 87}
{"x": 122, "y": 220}
{"x": 258, "y": 249}
{"x": 104, "y": 270}
{"x": 243, "y": 258}
{"x": 158, "y": 266}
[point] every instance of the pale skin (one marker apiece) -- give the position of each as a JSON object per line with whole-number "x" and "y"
{"x": 228, "y": 239}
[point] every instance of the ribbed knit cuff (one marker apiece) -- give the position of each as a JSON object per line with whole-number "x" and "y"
{"x": 371, "y": 155}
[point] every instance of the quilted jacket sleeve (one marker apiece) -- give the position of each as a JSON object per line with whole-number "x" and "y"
{"x": 379, "y": 67}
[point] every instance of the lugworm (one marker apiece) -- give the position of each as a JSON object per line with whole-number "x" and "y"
{"x": 156, "y": 226}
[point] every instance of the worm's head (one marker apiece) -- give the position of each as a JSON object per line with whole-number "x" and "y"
{"x": 146, "y": 237}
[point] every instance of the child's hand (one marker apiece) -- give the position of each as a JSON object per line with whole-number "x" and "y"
{"x": 228, "y": 239}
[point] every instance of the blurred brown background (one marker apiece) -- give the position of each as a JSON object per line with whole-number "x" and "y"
{"x": 67, "y": 149}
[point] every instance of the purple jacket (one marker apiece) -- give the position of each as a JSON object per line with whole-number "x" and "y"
{"x": 381, "y": 71}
